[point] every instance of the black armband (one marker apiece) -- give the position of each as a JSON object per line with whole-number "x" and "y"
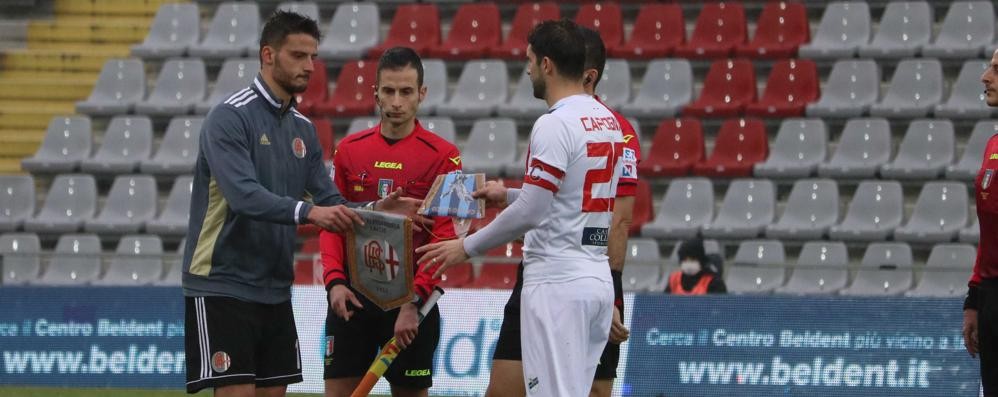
{"x": 618, "y": 289}
{"x": 335, "y": 282}
{"x": 972, "y": 299}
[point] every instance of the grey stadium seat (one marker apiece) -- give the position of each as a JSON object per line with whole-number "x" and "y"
{"x": 235, "y": 75}
{"x": 971, "y": 234}
{"x": 886, "y": 269}
{"x": 234, "y": 31}
{"x": 175, "y": 28}
{"x": 67, "y": 141}
{"x": 480, "y": 89}
{"x": 443, "y": 127}
{"x": 966, "y": 98}
{"x": 822, "y": 268}
{"x": 758, "y": 267}
{"x": 811, "y": 209}
{"x": 126, "y": 143}
{"x": 973, "y": 153}
{"x": 666, "y": 88}
{"x": 76, "y": 261}
{"x": 307, "y": 8}
{"x": 181, "y": 85}
{"x": 174, "y": 265}
{"x": 176, "y": 211}
{"x": 138, "y": 260}
{"x": 945, "y": 272}
{"x": 178, "y": 150}
{"x": 710, "y": 247}
{"x": 522, "y": 104}
{"x": 121, "y": 84}
{"x": 17, "y": 201}
{"x": 21, "y": 264}
{"x": 491, "y": 146}
{"x": 688, "y": 204}
{"x": 643, "y": 271}
{"x": 864, "y": 146}
{"x": 130, "y": 203}
{"x": 359, "y": 124}
{"x": 940, "y": 213}
{"x": 927, "y": 148}
{"x": 844, "y": 27}
{"x": 614, "y": 88}
{"x": 749, "y": 206}
{"x": 71, "y": 200}
{"x": 852, "y": 88}
{"x": 435, "y": 80}
{"x": 968, "y": 28}
{"x": 905, "y": 27}
{"x": 800, "y": 145}
{"x": 916, "y": 88}
{"x": 873, "y": 214}
{"x": 353, "y": 30}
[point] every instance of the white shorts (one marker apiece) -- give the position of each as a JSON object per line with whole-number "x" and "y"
{"x": 563, "y": 329}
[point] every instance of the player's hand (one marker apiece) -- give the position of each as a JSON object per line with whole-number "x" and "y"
{"x": 618, "y": 332}
{"x": 406, "y": 206}
{"x": 494, "y": 193}
{"x": 443, "y": 255}
{"x": 406, "y": 325}
{"x": 337, "y": 218}
{"x": 970, "y": 340}
{"x": 339, "y": 295}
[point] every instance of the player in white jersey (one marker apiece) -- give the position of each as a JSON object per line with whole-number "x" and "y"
{"x": 564, "y": 207}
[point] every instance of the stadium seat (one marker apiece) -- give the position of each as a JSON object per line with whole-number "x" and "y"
{"x": 720, "y": 28}
{"x": 644, "y": 208}
{"x": 71, "y": 200}
{"x": 678, "y": 145}
{"x": 475, "y": 28}
{"x": 972, "y": 234}
{"x": 739, "y": 146}
{"x": 800, "y": 145}
{"x": 307, "y": 8}
{"x": 174, "y": 268}
{"x": 235, "y": 75}
{"x": 873, "y": 214}
{"x": 130, "y": 204}
{"x": 967, "y": 29}
{"x": 19, "y": 252}
{"x": 172, "y": 222}
{"x": 495, "y": 276}
{"x": 844, "y": 27}
{"x": 928, "y": 147}
{"x": 353, "y": 31}
{"x": 522, "y": 104}
{"x": 966, "y": 98}
{"x": 939, "y": 215}
{"x": 758, "y": 267}
{"x": 435, "y": 81}
{"x": 822, "y": 268}
{"x": 121, "y": 84}
{"x": 67, "y": 143}
{"x": 491, "y": 146}
{"x": 327, "y": 140}
{"x": 416, "y": 26}
{"x": 180, "y": 85}
{"x": 480, "y": 90}
{"x": 614, "y": 88}
{"x": 175, "y": 28}
{"x": 852, "y": 88}
{"x": 810, "y": 210}
{"x": 658, "y": 30}
{"x": 945, "y": 272}
{"x": 527, "y": 16}
{"x": 359, "y": 124}
{"x": 76, "y": 261}
{"x": 749, "y": 206}
{"x": 792, "y": 85}
{"x": 17, "y": 201}
{"x": 915, "y": 89}
{"x": 643, "y": 271}
{"x": 178, "y": 151}
{"x": 316, "y": 92}
{"x": 234, "y": 32}
{"x": 443, "y": 127}
{"x": 886, "y": 269}
{"x": 688, "y": 204}
{"x": 729, "y": 86}
{"x": 904, "y": 28}
{"x": 126, "y": 142}
{"x": 605, "y": 18}
{"x": 864, "y": 145}
{"x": 137, "y": 261}
{"x": 354, "y": 92}
{"x": 666, "y": 88}
{"x": 457, "y": 276}
{"x": 782, "y": 28}
{"x": 969, "y": 165}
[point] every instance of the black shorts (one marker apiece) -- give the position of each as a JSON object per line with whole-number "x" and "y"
{"x": 987, "y": 333}
{"x": 230, "y": 342}
{"x": 351, "y": 346}
{"x": 508, "y": 344}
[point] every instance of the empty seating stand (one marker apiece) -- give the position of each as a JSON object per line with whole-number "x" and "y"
{"x": 17, "y": 201}
{"x": 781, "y": 29}
{"x": 75, "y": 262}
{"x": 885, "y": 270}
{"x": 904, "y": 28}
{"x": 800, "y": 146}
{"x": 178, "y": 150}
{"x": 353, "y": 31}
{"x": 175, "y": 28}
{"x": 678, "y": 145}
{"x": 605, "y": 18}
{"x": 758, "y": 267}
{"x": 234, "y": 32}
{"x": 967, "y": 29}
{"x": 658, "y": 30}
{"x": 180, "y": 86}
{"x": 852, "y": 88}
{"x": 740, "y": 144}
{"x": 21, "y": 262}
{"x": 687, "y": 206}
{"x": 811, "y": 209}
{"x": 749, "y": 206}
{"x": 666, "y": 88}
{"x": 527, "y": 16}
{"x": 121, "y": 84}
{"x": 730, "y": 85}
{"x": 354, "y": 92}
{"x": 127, "y": 141}
{"x": 822, "y": 268}
{"x": 864, "y": 145}
{"x": 67, "y": 142}
{"x": 416, "y": 26}
{"x": 791, "y": 86}
{"x": 915, "y": 89}
{"x": 720, "y": 28}
{"x": 873, "y": 214}
{"x": 844, "y": 27}
{"x": 475, "y": 28}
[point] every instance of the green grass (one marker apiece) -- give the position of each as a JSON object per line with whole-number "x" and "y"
{"x": 79, "y": 392}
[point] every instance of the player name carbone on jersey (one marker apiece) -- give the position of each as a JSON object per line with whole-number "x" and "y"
{"x": 598, "y": 124}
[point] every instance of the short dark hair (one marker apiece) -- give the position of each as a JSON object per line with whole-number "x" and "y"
{"x": 398, "y": 58}
{"x": 562, "y": 42}
{"x": 595, "y": 52}
{"x": 284, "y": 23}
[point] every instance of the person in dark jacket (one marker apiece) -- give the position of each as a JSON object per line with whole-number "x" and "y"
{"x": 695, "y": 275}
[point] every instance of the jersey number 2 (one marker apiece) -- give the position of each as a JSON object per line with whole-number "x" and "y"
{"x": 611, "y": 152}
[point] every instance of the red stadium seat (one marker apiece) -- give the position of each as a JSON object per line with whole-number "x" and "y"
{"x": 728, "y": 88}
{"x": 677, "y": 146}
{"x": 527, "y": 16}
{"x": 457, "y": 276}
{"x": 317, "y": 90}
{"x": 327, "y": 140}
{"x": 499, "y": 275}
{"x": 719, "y": 29}
{"x": 740, "y": 144}
{"x": 643, "y": 208}
{"x": 782, "y": 27}
{"x": 792, "y": 84}
{"x": 606, "y": 19}
{"x": 475, "y": 28}
{"x": 305, "y": 261}
{"x": 658, "y": 30}
{"x": 416, "y": 26}
{"x": 308, "y": 230}
{"x": 354, "y": 92}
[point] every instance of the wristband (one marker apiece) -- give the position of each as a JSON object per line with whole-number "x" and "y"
{"x": 618, "y": 289}
{"x": 335, "y": 282}
{"x": 971, "y": 301}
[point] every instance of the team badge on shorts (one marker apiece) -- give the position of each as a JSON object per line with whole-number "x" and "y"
{"x": 220, "y": 361}
{"x": 298, "y": 147}
{"x": 986, "y": 179}
{"x": 329, "y": 346}
{"x": 385, "y": 187}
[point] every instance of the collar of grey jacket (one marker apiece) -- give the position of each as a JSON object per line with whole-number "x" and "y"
{"x": 260, "y": 86}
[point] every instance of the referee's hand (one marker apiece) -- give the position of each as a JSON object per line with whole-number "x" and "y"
{"x": 337, "y": 218}
{"x": 338, "y": 297}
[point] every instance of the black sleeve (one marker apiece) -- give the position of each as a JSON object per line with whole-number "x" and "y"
{"x": 717, "y": 286}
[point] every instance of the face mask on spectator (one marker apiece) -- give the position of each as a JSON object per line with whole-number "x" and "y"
{"x": 690, "y": 267}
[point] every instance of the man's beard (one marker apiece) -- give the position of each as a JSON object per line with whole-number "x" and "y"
{"x": 282, "y": 79}
{"x": 540, "y": 88}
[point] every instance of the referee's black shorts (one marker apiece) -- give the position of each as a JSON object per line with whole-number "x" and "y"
{"x": 508, "y": 344}
{"x": 987, "y": 334}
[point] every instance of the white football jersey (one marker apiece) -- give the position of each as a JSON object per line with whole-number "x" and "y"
{"x": 575, "y": 152}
